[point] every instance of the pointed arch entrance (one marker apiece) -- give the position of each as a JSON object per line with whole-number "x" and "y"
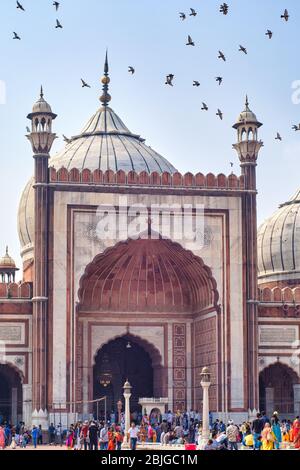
{"x": 156, "y": 290}
{"x": 277, "y": 389}
{"x": 11, "y": 401}
{"x": 122, "y": 358}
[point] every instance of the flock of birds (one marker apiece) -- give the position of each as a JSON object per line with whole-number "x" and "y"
{"x": 224, "y": 9}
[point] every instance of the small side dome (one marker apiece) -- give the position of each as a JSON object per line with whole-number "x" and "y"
{"x": 7, "y": 262}
{"x": 247, "y": 117}
{"x": 41, "y": 107}
{"x": 279, "y": 245}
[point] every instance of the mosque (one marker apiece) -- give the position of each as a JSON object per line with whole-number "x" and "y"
{"x": 110, "y": 291}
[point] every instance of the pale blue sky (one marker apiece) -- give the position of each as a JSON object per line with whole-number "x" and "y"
{"x": 149, "y": 35}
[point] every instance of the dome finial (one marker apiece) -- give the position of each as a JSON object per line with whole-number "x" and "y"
{"x": 7, "y": 250}
{"x": 247, "y": 102}
{"x": 42, "y": 92}
{"x": 105, "y": 97}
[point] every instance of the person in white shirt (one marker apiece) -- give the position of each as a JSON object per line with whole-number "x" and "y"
{"x": 133, "y": 434}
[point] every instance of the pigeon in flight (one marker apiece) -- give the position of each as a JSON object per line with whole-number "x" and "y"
{"x": 66, "y": 139}
{"x": 221, "y": 56}
{"x": 20, "y": 7}
{"x": 131, "y": 70}
{"x": 231, "y": 164}
{"x": 193, "y": 12}
{"x": 56, "y": 5}
{"x": 196, "y": 83}
{"x": 219, "y": 80}
{"x": 190, "y": 41}
{"x": 269, "y": 33}
{"x": 182, "y": 15}
{"x": 220, "y": 114}
{"x": 204, "y": 107}
{"x": 58, "y": 25}
{"x": 16, "y": 36}
{"x": 296, "y": 128}
{"x": 243, "y": 49}
{"x": 169, "y": 79}
{"x": 285, "y": 15}
{"x": 278, "y": 136}
{"x": 224, "y": 8}
{"x": 28, "y": 130}
{"x": 84, "y": 84}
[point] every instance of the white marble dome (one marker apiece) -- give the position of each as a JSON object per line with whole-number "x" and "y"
{"x": 279, "y": 244}
{"x": 104, "y": 143}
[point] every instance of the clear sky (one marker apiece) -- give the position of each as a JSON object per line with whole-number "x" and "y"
{"x": 149, "y": 35}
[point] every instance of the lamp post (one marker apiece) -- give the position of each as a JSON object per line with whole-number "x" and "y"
{"x": 205, "y": 384}
{"x": 127, "y": 394}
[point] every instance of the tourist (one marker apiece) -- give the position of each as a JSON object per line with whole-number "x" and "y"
{"x": 70, "y": 438}
{"x": 257, "y": 427}
{"x": 40, "y": 436}
{"x": 104, "y": 438}
{"x": 2, "y": 438}
{"x": 232, "y": 433}
{"x": 296, "y": 432}
{"x": 276, "y": 430}
{"x": 133, "y": 434}
{"x": 210, "y": 445}
{"x": 93, "y": 436}
{"x": 268, "y": 438}
{"x": 84, "y": 435}
{"x": 51, "y": 432}
{"x": 119, "y": 438}
{"x": 35, "y": 435}
{"x": 111, "y": 439}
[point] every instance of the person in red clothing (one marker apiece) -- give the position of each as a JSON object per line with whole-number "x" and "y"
{"x": 111, "y": 439}
{"x": 84, "y": 435}
{"x": 296, "y": 432}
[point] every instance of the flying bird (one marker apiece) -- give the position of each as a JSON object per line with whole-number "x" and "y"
{"x": 219, "y": 80}
{"x": 182, "y": 15}
{"x": 16, "y": 36}
{"x": 169, "y": 79}
{"x": 84, "y": 84}
{"x": 20, "y": 7}
{"x": 193, "y": 12}
{"x": 285, "y": 15}
{"x": 231, "y": 164}
{"x": 224, "y": 8}
{"x": 220, "y": 114}
{"x": 278, "y": 136}
{"x": 204, "y": 107}
{"x": 58, "y": 25}
{"x": 131, "y": 70}
{"x": 56, "y": 5}
{"x": 243, "y": 49}
{"x": 269, "y": 33}
{"x": 66, "y": 139}
{"x": 296, "y": 128}
{"x": 196, "y": 83}
{"x": 27, "y": 129}
{"x": 221, "y": 56}
{"x": 190, "y": 41}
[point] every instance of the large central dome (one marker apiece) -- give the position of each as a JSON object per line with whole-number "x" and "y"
{"x": 105, "y": 143}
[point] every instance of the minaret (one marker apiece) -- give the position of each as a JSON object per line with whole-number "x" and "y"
{"x": 248, "y": 147}
{"x": 8, "y": 268}
{"x": 41, "y": 139}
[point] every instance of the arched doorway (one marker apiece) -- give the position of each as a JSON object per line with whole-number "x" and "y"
{"x": 121, "y": 359}
{"x": 276, "y": 389}
{"x": 10, "y": 395}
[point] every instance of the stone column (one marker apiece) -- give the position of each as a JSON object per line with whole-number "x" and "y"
{"x": 27, "y": 404}
{"x": 127, "y": 394}
{"x": 296, "y": 388}
{"x": 269, "y": 401}
{"x": 205, "y": 384}
{"x": 14, "y": 405}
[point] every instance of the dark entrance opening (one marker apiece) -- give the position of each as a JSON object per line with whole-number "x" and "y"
{"x": 117, "y": 361}
{"x": 10, "y": 395}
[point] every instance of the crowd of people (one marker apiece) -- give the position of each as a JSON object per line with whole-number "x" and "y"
{"x": 180, "y": 428}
